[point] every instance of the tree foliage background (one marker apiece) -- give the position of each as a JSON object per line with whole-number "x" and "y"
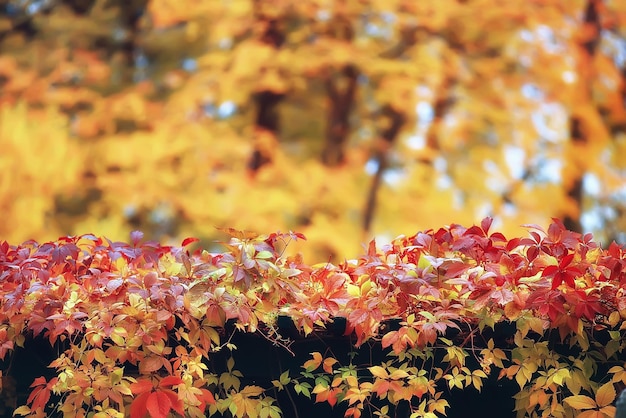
{"x": 340, "y": 119}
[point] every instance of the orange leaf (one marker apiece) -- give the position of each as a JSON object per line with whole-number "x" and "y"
{"x": 325, "y": 394}
{"x": 150, "y": 364}
{"x": 605, "y": 395}
{"x": 590, "y": 414}
{"x": 608, "y": 411}
{"x": 353, "y": 412}
{"x": 314, "y": 363}
{"x": 328, "y": 364}
{"x": 235, "y": 233}
{"x": 390, "y": 338}
{"x": 381, "y": 387}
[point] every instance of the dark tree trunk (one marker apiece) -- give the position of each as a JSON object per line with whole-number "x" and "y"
{"x": 341, "y": 86}
{"x": 340, "y": 102}
{"x": 578, "y": 134}
{"x": 131, "y": 14}
{"x": 267, "y": 118}
{"x": 388, "y": 137}
{"x": 442, "y": 104}
{"x": 575, "y": 191}
{"x": 266, "y": 121}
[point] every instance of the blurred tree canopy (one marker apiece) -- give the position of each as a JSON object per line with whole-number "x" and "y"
{"x": 341, "y": 119}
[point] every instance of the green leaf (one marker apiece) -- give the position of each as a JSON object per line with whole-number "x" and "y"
{"x": 303, "y": 388}
{"x": 264, "y": 255}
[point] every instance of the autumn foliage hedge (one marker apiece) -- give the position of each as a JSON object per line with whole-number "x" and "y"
{"x": 136, "y": 324}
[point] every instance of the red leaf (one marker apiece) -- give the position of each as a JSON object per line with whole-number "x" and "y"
{"x": 177, "y": 404}
{"x": 486, "y": 224}
{"x": 615, "y": 250}
{"x": 158, "y": 405}
{"x": 498, "y": 236}
{"x": 455, "y": 268}
{"x": 141, "y": 386}
{"x": 566, "y": 260}
{"x": 38, "y": 382}
{"x": 169, "y": 381}
{"x": 371, "y": 249}
{"x": 189, "y": 240}
{"x": 206, "y": 398}
{"x": 549, "y": 271}
{"x": 138, "y": 408}
{"x": 555, "y": 230}
{"x": 136, "y": 237}
{"x": 39, "y": 397}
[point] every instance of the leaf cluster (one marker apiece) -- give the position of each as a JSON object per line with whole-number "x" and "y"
{"x": 138, "y": 322}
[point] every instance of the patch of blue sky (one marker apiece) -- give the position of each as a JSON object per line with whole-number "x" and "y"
{"x": 515, "y": 158}
{"x": 226, "y": 109}
{"x": 394, "y": 176}
{"x": 592, "y": 185}
{"x": 416, "y": 141}
{"x": 190, "y": 65}
{"x": 443, "y": 182}
{"x": 371, "y": 166}
{"x": 548, "y": 170}
{"x": 425, "y": 112}
{"x": 225, "y": 43}
{"x": 550, "y": 121}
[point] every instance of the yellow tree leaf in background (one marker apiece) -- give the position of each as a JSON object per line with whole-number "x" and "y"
{"x": 146, "y": 118}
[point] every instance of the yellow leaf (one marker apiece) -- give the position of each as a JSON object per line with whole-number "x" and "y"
{"x": 560, "y": 375}
{"x": 379, "y": 372}
{"x": 22, "y": 410}
{"x": 580, "y": 402}
{"x": 614, "y": 318}
{"x": 439, "y": 405}
{"x": 352, "y": 381}
{"x": 398, "y": 374}
{"x": 319, "y": 388}
{"x": 605, "y": 395}
{"x": 251, "y": 391}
